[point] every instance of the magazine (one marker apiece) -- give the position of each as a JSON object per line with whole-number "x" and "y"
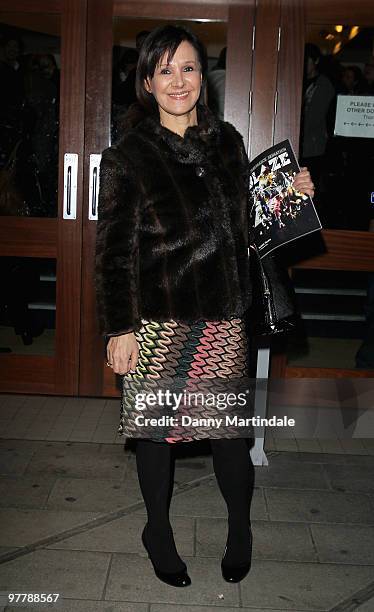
{"x": 278, "y": 213}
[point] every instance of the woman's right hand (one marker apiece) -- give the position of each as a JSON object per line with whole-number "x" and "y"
{"x": 123, "y": 353}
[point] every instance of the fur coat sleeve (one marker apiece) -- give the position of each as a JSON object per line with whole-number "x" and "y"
{"x": 117, "y": 248}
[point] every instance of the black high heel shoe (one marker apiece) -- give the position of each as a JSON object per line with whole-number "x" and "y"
{"x": 236, "y": 573}
{"x": 176, "y": 579}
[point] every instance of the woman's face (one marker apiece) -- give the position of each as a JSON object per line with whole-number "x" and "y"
{"x": 176, "y": 86}
{"x": 349, "y": 79}
{"x": 47, "y": 67}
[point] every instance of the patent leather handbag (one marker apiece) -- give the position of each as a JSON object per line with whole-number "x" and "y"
{"x": 274, "y": 308}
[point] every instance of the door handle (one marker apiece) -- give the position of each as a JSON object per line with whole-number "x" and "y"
{"x": 94, "y": 186}
{"x": 70, "y": 185}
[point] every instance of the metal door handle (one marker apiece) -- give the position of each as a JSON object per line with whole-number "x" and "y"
{"x": 94, "y": 186}
{"x": 70, "y": 185}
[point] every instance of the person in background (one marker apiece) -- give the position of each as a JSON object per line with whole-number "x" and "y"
{"x": 12, "y": 98}
{"x": 43, "y": 97}
{"x": 353, "y": 82}
{"x": 344, "y": 163}
{"x": 127, "y": 93}
{"x": 123, "y": 91}
{"x": 216, "y": 79}
{"x": 123, "y": 88}
{"x": 318, "y": 95}
{"x": 50, "y": 71}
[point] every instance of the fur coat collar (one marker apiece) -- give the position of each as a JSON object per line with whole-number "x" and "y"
{"x": 196, "y": 144}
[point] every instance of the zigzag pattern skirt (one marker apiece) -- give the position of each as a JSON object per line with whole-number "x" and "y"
{"x": 200, "y": 357}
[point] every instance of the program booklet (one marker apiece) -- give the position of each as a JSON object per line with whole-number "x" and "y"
{"x": 278, "y": 213}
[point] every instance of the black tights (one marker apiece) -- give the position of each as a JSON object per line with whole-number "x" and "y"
{"x": 235, "y": 476}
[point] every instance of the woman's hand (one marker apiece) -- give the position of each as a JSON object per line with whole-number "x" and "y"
{"x": 123, "y": 353}
{"x": 303, "y": 182}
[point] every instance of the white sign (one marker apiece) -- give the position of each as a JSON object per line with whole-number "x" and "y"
{"x": 355, "y": 116}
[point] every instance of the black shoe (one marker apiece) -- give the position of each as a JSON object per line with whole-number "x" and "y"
{"x": 176, "y": 579}
{"x": 236, "y": 573}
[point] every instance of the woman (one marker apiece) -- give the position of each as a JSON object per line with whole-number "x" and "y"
{"x": 172, "y": 276}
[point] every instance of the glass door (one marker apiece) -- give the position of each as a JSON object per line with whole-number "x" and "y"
{"x": 115, "y": 31}
{"x": 333, "y": 273}
{"x": 42, "y": 68}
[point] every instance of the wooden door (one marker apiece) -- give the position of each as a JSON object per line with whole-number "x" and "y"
{"x": 111, "y": 29}
{"x": 43, "y": 54}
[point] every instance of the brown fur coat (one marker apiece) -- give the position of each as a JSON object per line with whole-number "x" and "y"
{"x": 172, "y": 232}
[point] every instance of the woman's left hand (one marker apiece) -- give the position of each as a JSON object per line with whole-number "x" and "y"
{"x": 303, "y": 182}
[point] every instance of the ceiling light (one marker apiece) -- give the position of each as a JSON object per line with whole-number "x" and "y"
{"x": 354, "y": 31}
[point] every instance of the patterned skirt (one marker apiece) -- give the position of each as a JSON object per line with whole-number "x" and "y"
{"x": 198, "y": 361}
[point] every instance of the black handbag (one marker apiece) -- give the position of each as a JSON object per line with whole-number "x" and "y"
{"x": 273, "y": 309}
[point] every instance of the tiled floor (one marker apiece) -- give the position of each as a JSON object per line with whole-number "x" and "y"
{"x": 71, "y": 514}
